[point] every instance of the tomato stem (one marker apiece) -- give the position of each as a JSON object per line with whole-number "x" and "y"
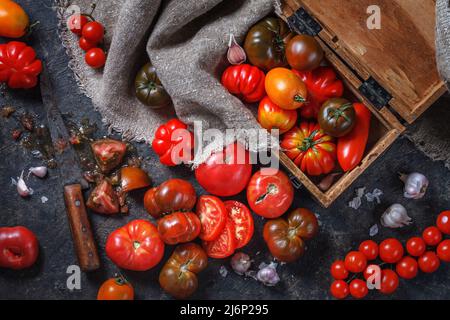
{"x": 299, "y": 98}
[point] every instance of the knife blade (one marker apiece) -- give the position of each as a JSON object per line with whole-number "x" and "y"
{"x": 71, "y": 177}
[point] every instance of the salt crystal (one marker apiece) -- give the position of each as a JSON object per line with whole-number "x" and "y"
{"x": 356, "y": 202}
{"x": 223, "y": 271}
{"x": 44, "y": 199}
{"x": 373, "y": 230}
{"x": 375, "y": 195}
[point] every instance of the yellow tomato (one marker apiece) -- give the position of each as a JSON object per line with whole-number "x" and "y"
{"x": 286, "y": 89}
{"x": 14, "y": 21}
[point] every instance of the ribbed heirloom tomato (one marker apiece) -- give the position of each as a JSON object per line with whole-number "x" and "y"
{"x": 271, "y": 116}
{"x": 286, "y": 89}
{"x": 136, "y": 246}
{"x": 245, "y": 81}
{"x": 310, "y": 148}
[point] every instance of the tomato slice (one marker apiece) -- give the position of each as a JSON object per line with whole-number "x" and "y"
{"x": 243, "y": 222}
{"x": 213, "y": 216}
{"x": 225, "y": 245}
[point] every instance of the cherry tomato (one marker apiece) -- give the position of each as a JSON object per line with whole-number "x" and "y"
{"x": 213, "y": 216}
{"x": 338, "y": 270}
{"x": 443, "y": 222}
{"x": 389, "y": 281}
{"x": 95, "y": 58}
{"x": 243, "y": 222}
{"x": 355, "y": 262}
{"x": 429, "y": 262}
{"x": 271, "y": 116}
{"x": 117, "y": 288}
{"x": 371, "y": 270}
{"x": 358, "y": 289}
{"x": 270, "y": 193}
{"x": 407, "y": 268}
{"x": 93, "y": 32}
{"x": 416, "y": 246}
{"x": 133, "y": 178}
{"x": 76, "y": 23}
{"x": 225, "y": 245}
{"x": 179, "y": 227}
{"x": 391, "y": 250}
{"x": 286, "y": 89}
{"x": 443, "y": 251}
{"x": 225, "y": 173}
{"x": 19, "y": 248}
{"x": 304, "y": 53}
{"x": 86, "y": 45}
{"x": 369, "y": 248}
{"x": 339, "y": 289}
{"x": 432, "y": 236}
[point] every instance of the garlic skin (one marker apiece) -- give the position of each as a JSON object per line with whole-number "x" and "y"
{"x": 236, "y": 54}
{"x": 416, "y": 185}
{"x": 395, "y": 217}
{"x": 39, "y": 172}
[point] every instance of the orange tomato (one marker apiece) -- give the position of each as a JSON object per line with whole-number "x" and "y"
{"x": 286, "y": 89}
{"x": 271, "y": 116}
{"x": 14, "y": 21}
{"x": 117, "y": 288}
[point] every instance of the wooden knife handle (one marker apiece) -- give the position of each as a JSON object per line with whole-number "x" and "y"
{"x": 85, "y": 247}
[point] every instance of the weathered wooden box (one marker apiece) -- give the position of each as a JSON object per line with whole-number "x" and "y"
{"x": 392, "y": 69}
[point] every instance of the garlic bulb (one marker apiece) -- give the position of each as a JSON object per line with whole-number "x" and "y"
{"x": 268, "y": 275}
{"x": 395, "y": 217}
{"x": 240, "y": 263}
{"x": 236, "y": 54}
{"x": 416, "y": 185}
{"x": 39, "y": 172}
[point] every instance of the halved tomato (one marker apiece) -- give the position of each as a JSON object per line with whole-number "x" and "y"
{"x": 108, "y": 153}
{"x": 225, "y": 245}
{"x": 133, "y": 178}
{"x": 104, "y": 199}
{"x": 243, "y": 222}
{"x": 213, "y": 216}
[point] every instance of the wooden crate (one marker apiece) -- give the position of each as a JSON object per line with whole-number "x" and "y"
{"x": 392, "y": 70}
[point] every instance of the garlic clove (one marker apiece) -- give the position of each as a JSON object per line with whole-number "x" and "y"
{"x": 395, "y": 216}
{"x": 22, "y": 188}
{"x": 236, "y": 54}
{"x": 39, "y": 172}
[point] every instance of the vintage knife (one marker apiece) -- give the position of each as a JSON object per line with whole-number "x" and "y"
{"x": 72, "y": 179}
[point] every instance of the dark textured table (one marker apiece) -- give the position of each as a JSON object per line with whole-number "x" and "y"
{"x": 342, "y": 228}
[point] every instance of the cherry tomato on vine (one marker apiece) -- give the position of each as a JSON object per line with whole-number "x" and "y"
{"x": 338, "y": 270}
{"x": 432, "y": 236}
{"x": 93, "y": 31}
{"x": 443, "y": 222}
{"x": 355, "y": 262}
{"x": 429, "y": 262}
{"x": 86, "y": 45}
{"x": 358, "y": 289}
{"x": 95, "y": 58}
{"x": 443, "y": 251}
{"x": 339, "y": 289}
{"x": 389, "y": 281}
{"x": 391, "y": 250}
{"x": 369, "y": 248}
{"x": 416, "y": 246}
{"x": 76, "y": 23}
{"x": 407, "y": 268}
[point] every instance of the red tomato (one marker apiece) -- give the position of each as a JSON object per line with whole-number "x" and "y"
{"x": 310, "y": 148}
{"x": 432, "y": 236}
{"x": 243, "y": 222}
{"x": 271, "y": 116}
{"x": 443, "y": 222}
{"x": 95, "y": 58}
{"x": 358, "y": 289}
{"x": 225, "y": 173}
{"x": 322, "y": 85}
{"x": 338, "y": 270}
{"x": 391, "y": 250}
{"x": 416, "y": 246}
{"x": 339, "y": 289}
{"x": 443, "y": 251}
{"x": 429, "y": 262}
{"x": 136, "y": 246}
{"x": 173, "y": 143}
{"x": 76, "y": 23}
{"x": 132, "y": 178}
{"x": 270, "y": 193}
{"x": 355, "y": 262}
{"x": 369, "y": 248}
{"x": 389, "y": 281}
{"x": 86, "y": 45}
{"x": 19, "y": 67}
{"x": 351, "y": 148}
{"x": 213, "y": 216}
{"x": 93, "y": 32}
{"x": 225, "y": 245}
{"x": 179, "y": 227}
{"x": 407, "y": 268}
{"x": 245, "y": 81}
{"x": 19, "y": 248}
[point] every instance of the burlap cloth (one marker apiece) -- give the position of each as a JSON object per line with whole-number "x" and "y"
{"x": 186, "y": 40}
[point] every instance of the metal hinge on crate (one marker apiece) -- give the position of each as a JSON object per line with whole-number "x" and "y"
{"x": 297, "y": 184}
{"x": 302, "y": 22}
{"x": 375, "y": 93}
